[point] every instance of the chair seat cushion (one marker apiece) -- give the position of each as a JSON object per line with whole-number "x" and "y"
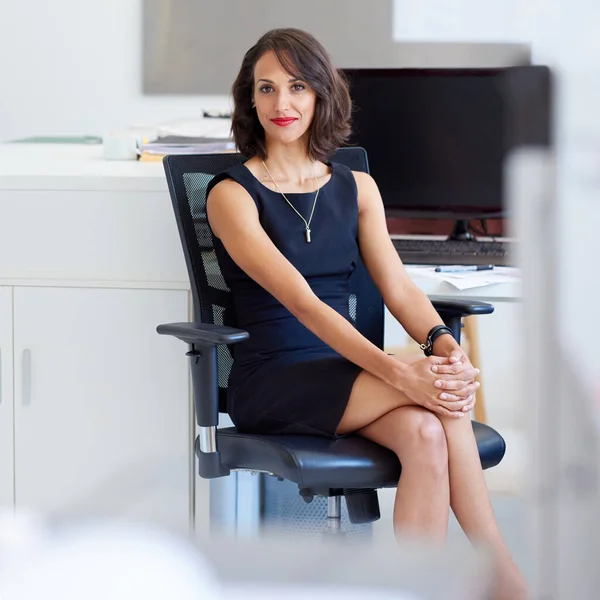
{"x": 319, "y": 462}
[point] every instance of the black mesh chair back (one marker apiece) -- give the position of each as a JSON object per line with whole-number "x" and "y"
{"x": 188, "y": 178}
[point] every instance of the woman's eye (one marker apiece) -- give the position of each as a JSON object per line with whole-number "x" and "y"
{"x": 298, "y": 87}
{"x": 265, "y": 89}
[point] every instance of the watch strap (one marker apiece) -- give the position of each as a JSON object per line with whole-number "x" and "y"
{"x": 433, "y": 335}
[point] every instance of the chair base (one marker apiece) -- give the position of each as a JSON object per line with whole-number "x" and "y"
{"x": 334, "y": 514}
{"x": 362, "y": 503}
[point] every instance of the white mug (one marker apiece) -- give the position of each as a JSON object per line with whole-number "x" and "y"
{"x": 120, "y": 145}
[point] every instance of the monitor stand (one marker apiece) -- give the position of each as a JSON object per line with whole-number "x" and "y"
{"x": 460, "y": 232}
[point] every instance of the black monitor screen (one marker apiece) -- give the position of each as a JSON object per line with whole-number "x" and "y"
{"x": 436, "y": 139}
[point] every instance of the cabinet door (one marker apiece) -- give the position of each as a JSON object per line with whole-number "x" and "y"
{"x": 102, "y": 410}
{"x": 6, "y": 400}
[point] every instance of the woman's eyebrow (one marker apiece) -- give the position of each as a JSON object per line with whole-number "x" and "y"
{"x": 291, "y": 80}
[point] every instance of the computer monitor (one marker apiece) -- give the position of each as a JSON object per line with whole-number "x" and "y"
{"x": 437, "y": 139}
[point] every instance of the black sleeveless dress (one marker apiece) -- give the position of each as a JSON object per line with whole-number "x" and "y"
{"x": 284, "y": 378}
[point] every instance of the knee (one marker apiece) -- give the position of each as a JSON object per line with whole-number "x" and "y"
{"x": 428, "y": 435}
{"x": 425, "y": 444}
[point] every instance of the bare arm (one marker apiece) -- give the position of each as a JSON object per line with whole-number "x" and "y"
{"x": 407, "y": 303}
{"x": 234, "y": 219}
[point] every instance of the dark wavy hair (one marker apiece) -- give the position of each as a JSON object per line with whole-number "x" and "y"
{"x": 302, "y": 56}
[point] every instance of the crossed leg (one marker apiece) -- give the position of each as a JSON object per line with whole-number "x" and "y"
{"x": 423, "y": 495}
{"x": 440, "y": 468}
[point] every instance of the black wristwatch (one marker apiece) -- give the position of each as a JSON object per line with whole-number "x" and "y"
{"x": 433, "y": 335}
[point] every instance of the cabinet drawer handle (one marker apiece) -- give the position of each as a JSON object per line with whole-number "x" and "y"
{"x": 26, "y": 377}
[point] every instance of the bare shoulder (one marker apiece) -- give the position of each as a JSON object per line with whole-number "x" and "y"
{"x": 368, "y": 192}
{"x": 227, "y": 188}
{"x": 229, "y": 203}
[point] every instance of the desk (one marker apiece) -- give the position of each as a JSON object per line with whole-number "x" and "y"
{"x": 96, "y": 411}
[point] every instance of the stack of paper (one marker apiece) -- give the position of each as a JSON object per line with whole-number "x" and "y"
{"x": 201, "y": 136}
{"x": 467, "y": 279}
{"x": 179, "y": 145}
{"x": 155, "y": 151}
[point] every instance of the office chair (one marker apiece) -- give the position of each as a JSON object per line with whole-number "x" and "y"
{"x": 353, "y": 467}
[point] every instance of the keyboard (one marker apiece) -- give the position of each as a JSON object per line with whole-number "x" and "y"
{"x": 447, "y": 252}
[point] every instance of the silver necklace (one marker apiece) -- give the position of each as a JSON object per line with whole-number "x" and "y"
{"x": 312, "y": 212}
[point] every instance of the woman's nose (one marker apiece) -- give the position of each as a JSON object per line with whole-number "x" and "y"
{"x": 282, "y": 101}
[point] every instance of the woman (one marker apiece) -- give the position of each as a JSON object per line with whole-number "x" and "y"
{"x": 288, "y": 225}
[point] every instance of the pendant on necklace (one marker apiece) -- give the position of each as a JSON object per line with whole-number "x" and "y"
{"x": 307, "y": 233}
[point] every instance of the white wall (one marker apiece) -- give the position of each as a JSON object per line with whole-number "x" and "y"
{"x": 74, "y": 67}
{"x": 474, "y": 20}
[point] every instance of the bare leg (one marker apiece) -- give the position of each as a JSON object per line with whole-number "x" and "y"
{"x": 469, "y": 496}
{"x": 362, "y": 410}
{"x": 423, "y": 494}
{"x": 470, "y": 501}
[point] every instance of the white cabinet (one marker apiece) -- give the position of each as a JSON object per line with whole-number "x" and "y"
{"x": 101, "y": 404}
{"x": 96, "y": 413}
{"x": 126, "y": 236}
{"x": 6, "y": 400}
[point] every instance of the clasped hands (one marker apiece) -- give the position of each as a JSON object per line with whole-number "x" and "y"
{"x": 444, "y": 385}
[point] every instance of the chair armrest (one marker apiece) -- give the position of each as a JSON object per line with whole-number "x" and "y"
{"x": 203, "y": 334}
{"x": 460, "y": 307}
{"x": 452, "y": 310}
{"x": 204, "y": 339}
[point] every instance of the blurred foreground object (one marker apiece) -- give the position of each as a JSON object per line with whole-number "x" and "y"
{"x": 559, "y": 369}
{"x": 106, "y": 560}
{"x": 98, "y": 561}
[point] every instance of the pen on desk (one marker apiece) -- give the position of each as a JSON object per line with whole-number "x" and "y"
{"x": 461, "y": 268}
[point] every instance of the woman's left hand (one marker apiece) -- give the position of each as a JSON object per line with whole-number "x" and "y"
{"x": 458, "y": 367}
{"x": 458, "y": 364}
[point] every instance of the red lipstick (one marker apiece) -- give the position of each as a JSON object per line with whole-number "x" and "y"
{"x": 284, "y": 122}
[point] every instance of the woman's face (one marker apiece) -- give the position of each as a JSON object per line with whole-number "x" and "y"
{"x": 285, "y": 105}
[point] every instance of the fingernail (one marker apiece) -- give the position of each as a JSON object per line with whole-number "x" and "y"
{"x": 438, "y": 383}
{"x": 477, "y": 383}
{"x": 443, "y": 396}
{"x": 477, "y": 371}
{"x": 434, "y": 368}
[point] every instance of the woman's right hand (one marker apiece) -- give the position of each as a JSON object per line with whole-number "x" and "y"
{"x": 418, "y": 384}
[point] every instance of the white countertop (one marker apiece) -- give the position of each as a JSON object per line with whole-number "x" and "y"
{"x": 74, "y": 167}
